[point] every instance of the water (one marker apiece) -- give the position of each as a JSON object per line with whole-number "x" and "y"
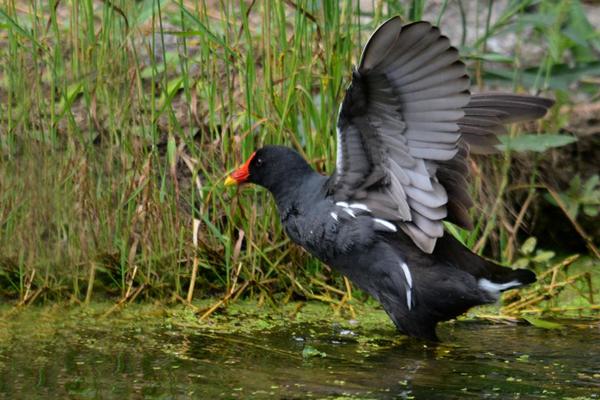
{"x": 131, "y": 360}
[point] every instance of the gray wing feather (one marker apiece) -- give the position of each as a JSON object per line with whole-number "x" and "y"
{"x": 487, "y": 113}
{"x": 405, "y": 128}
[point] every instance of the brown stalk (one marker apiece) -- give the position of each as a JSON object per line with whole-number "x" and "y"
{"x": 327, "y": 287}
{"x": 221, "y": 302}
{"x": 28, "y": 283}
{"x": 131, "y": 281}
{"x": 591, "y": 307}
{"x": 344, "y": 302}
{"x": 129, "y": 298}
{"x": 534, "y": 299}
{"x": 518, "y": 221}
{"x": 231, "y": 292}
{"x": 195, "y": 228}
{"x": 90, "y": 287}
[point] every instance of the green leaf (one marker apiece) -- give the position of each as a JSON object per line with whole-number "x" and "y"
{"x": 591, "y": 211}
{"x": 171, "y": 151}
{"x": 542, "y": 256}
{"x": 533, "y": 142}
{"x": 591, "y": 183}
{"x": 572, "y": 208}
{"x": 309, "y": 352}
{"x": 529, "y": 245}
{"x": 69, "y": 97}
{"x": 207, "y": 32}
{"x": 174, "y": 85}
{"x": 522, "y": 262}
{"x": 455, "y": 231}
{"x": 170, "y": 59}
{"x": 147, "y": 8}
{"x": 541, "y": 323}
{"x": 12, "y": 23}
{"x": 582, "y": 32}
{"x": 543, "y": 21}
{"x": 580, "y": 196}
{"x": 556, "y": 45}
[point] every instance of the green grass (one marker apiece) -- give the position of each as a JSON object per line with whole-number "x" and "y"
{"x": 119, "y": 121}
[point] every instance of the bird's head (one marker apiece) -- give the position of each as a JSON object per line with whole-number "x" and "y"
{"x": 272, "y": 167}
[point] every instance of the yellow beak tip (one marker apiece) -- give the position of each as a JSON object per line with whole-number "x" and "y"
{"x": 229, "y": 181}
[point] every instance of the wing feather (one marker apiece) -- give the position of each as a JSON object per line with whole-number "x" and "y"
{"x": 405, "y": 128}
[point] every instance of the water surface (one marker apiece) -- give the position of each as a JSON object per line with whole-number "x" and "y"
{"x": 131, "y": 359}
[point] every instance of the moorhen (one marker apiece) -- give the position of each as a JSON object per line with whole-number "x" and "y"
{"x": 404, "y": 131}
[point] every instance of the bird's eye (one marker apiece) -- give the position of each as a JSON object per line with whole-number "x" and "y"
{"x": 259, "y": 162}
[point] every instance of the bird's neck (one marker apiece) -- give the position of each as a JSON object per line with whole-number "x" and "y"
{"x": 298, "y": 184}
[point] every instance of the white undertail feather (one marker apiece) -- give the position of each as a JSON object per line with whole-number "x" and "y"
{"x": 495, "y": 288}
{"x": 385, "y": 223}
{"x": 342, "y": 204}
{"x": 334, "y": 215}
{"x": 409, "y": 299}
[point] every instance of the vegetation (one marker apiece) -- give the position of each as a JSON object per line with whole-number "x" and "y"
{"x": 120, "y": 119}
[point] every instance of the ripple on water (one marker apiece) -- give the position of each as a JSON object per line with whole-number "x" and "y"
{"x": 477, "y": 360}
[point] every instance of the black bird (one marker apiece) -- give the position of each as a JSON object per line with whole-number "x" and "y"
{"x": 404, "y": 132}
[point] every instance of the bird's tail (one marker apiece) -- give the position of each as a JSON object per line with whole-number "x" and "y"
{"x": 491, "y": 277}
{"x": 495, "y": 278}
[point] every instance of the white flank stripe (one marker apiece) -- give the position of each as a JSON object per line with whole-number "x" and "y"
{"x": 334, "y": 215}
{"x": 494, "y": 288}
{"x": 360, "y": 206}
{"x": 349, "y": 212}
{"x": 409, "y": 299}
{"x": 385, "y": 223}
{"x": 407, "y": 274}
{"x": 342, "y": 204}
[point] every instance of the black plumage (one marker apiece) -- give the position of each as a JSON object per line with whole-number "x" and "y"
{"x": 405, "y": 129}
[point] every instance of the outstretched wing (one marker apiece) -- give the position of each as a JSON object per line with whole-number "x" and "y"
{"x": 398, "y": 122}
{"x": 405, "y": 127}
